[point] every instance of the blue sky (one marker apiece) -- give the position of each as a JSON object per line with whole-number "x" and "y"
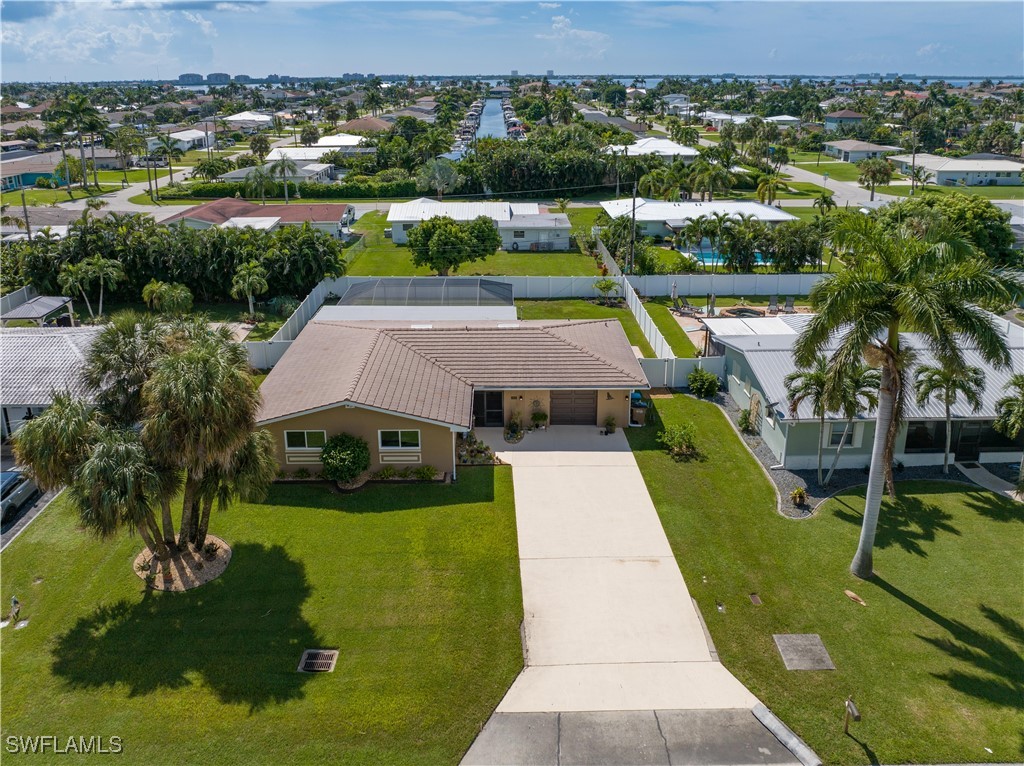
{"x": 146, "y": 39}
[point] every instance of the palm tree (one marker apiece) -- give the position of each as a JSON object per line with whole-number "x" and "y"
{"x": 127, "y": 142}
{"x": 874, "y": 172}
{"x": 250, "y": 279}
{"x": 260, "y": 146}
{"x": 769, "y": 187}
{"x": 945, "y": 383}
{"x": 441, "y": 175}
{"x": 921, "y": 176}
{"x": 928, "y": 281}
{"x": 857, "y": 393}
{"x": 167, "y": 297}
{"x": 1010, "y": 417}
{"x": 812, "y": 385}
{"x": 57, "y": 126}
{"x": 711, "y": 178}
{"x": 168, "y": 148}
{"x": 211, "y": 169}
{"x": 257, "y": 181}
{"x": 824, "y": 203}
{"x": 106, "y": 271}
{"x": 687, "y": 135}
{"x": 658, "y": 183}
{"x": 75, "y": 278}
{"x": 77, "y": 113}
{"x": 562, "y": 204}
{"x": 284, "y": 167}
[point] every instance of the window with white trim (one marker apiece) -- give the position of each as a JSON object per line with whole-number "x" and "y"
{"x": 304, "y": 440}
{"x": 518, "y": 234}
{"x": 835, "y": 437}
{"x": 399, "y": 439}
{"x": 408, "y": 226}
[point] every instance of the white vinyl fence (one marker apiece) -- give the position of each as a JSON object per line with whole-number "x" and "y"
{"x": 672, "y": 373}
{"x": 726, "y": 284}
{"x": 661, "y": 347}
{"x": 13, "y": 300}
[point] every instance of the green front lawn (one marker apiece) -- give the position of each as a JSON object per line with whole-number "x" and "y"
{"x": 579, "y": 308}
{"x": 134, "y": 176}
{"x": 416, "y": 585}
{"x": 377, "y": 256}
{"x": 934, "y": 661}
{"x": 41, "y": 197}
{"x": 663, "y": 317}
{"x": 988, "y": 192}
{"x": 837, "y": 171}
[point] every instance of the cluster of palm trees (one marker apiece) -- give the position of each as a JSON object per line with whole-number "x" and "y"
{"x": 174, "y": 416}
{"x": 920, "y": 276}
{"x": 736, "y": 242}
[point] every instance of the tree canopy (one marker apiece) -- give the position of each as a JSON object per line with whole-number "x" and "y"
{"x": 444, "y": 245}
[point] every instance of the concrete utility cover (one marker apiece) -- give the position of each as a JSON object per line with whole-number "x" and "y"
{"x": 803, "y": 651}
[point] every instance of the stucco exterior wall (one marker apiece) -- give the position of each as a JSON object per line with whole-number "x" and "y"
{"x": 617, "y": 407}
{"x": 558, "y": 239}
{"x": 435, "y": 441}
{"x": 614, "y": 402}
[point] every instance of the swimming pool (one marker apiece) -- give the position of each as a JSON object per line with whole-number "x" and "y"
{"x": 717, "y": 259}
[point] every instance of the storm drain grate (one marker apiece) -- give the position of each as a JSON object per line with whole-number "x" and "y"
{"x": 318, "y": 661}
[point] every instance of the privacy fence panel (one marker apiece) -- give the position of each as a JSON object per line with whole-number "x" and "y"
{"x": 726, "y": 284}
{"x": 14, "y": 299}
{"x": 673, "y": 373}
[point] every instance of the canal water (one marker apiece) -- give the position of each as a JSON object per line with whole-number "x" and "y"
{"x": 492, "y": 120}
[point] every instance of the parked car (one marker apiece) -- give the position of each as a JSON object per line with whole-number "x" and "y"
{"x": 16, "y": 489}
{"x": 153, "y": 162}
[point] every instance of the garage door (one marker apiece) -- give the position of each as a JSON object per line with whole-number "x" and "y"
{"x": 573, "y": 408}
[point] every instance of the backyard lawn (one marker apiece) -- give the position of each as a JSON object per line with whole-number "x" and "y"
{"x": 678, "y": 341}
{"x": 416, "y": 585}
{"x": 216, "y": 312}
{"x": 580, "y": 308}
{"x": 375, "y": 255}
{"x": 934, "y": 659}
{"x": 584, "y": 217}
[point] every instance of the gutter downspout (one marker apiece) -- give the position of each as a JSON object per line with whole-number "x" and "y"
{"x": 455, "y": 474}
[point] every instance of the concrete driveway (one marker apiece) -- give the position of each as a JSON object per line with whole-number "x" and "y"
{"x": 609, "y": 625}
{"x": 14, "y": 526}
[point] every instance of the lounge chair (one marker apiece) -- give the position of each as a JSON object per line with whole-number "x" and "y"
{"x": 773, "y": 305}
{"x": 789, "y": 308}
{"x": 684, "y": 308}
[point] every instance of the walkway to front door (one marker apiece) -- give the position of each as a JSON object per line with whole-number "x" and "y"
{"x": 610, "y": 627}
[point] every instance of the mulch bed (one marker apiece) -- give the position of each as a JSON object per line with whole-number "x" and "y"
{"x": 188, "y": 569}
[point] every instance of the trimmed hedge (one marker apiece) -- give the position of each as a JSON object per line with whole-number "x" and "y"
{"x": 703, "y": 383}
{"x": 360, "y": 189}
{"x": 344, "y": 457}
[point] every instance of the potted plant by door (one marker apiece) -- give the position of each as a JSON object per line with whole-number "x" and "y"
{"x": 539, "y": 419}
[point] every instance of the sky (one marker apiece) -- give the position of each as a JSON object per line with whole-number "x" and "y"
{"x": 86, "y": 40}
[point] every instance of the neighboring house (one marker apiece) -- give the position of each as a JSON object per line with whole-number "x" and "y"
{"x": 656, "y": 218}
{"x": 10, "y": 128}
{"x": 759, "y": 355}
{"x": 312, "y": 172}
{"x": 186, "y": 140}
{"x": 409, "y": 389}
{"x": 835, "y": 120}
{"x": 662, "y": 147}
{"x": 316, "y": 153}
{"x": 521, "y": 224}
{"x": 340, "y": 140}
{"x": 1016, "y": 211}
{"x": 677, "y": 104}
{"x": 951, "y": 171}
{"x": 718, "y": 119}
{"x": 35, "y": 362}
{"x": 855, "y": 151}
{"x": 104, "y": 159}
{"x": 784, "y": 121}
{"x": 367, "y": 125}
{"x": 23, "y": 172}
{"x": 597, "y": 116}
{"x": 234, "y": 213}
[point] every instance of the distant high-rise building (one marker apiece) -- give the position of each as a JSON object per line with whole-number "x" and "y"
{"x": 515, "y": 72}
{"x": 218, "y": 78}
{"x": 550, "y": 73}
{"x": 242, "y": 78}
{"x": 190, "y": 78}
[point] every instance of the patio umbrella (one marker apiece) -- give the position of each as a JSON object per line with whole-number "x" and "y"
{"x": 675, "y": 292}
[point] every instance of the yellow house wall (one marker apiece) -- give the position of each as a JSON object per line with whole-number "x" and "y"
{"x": 617, "y": 406}
{"x": 435, "y": 441}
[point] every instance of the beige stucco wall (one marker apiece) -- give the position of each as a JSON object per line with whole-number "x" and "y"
{"x": 617, "y": 406}
{"x": 435, "y": 441}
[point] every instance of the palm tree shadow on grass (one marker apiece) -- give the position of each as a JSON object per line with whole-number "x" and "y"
{"x": 995, "y": 507}
{"x": 998, "y": 658}
{"x": 907, "y": 522}
{"x": 243, "y": 634}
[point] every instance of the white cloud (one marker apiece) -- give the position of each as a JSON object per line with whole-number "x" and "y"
{"x": 550, "y": 6}
{"x": 773, "y": 53}
{"x": 205, "y": 25}
{"x": 576, "y": 43}
{"x": 929, "y": 49}
{"x": 457, "y": 18}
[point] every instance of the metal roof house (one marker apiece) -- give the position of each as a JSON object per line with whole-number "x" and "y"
{"x": 662, "y": 147}
{"x": 657, "y": 218}
{"x": 759, "y": 355}
{"x": 952, "y": 171}
{"x": 522, "y": 225}
{"x": 855, "y": 151}
{"x": 35, "y": 362}
{"x": 409, "y": 388}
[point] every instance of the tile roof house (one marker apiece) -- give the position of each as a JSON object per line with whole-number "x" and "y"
{"x": 759, "y": 355}
{"x": 409, "y": 388}
{"x": 35, "y": 362}
{"x": 230, "y": 213}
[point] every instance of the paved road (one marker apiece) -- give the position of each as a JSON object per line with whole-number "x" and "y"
{"x": 615, "y": 651}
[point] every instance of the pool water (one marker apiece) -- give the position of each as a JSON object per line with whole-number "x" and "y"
{"x": 716, "y": 259}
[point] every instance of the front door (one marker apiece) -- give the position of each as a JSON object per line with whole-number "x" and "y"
{"x": 968, "y": 446}
{"x": 488, "y": 409}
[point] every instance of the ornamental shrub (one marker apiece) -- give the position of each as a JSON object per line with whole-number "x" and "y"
{"x": 344, "y": 457}
{"x": 680, "y": 441}
{"x": 703, "y": 384}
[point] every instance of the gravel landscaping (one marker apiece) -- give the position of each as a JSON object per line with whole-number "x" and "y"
{"x": 787, "y": 480}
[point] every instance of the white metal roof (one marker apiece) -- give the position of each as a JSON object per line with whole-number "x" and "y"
{"x": 340, "y": 139}
{"x": 423, "y": 209}
{"x": 188, "y": 135}
{"x": 662, "y": 147}
{"x": 935, "y": 163}
{"x": 658, "y": 210}
{"x": 256, "y": 222}
{"x": 248, "y": 117}
{"x": 297, "y": 153}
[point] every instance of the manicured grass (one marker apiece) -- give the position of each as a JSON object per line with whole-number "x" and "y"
{"x": 837, "y": 171}
{"x": 663, "y": 317}
{"x": 584, "y": 217}
{"x": 800, "y": 190}
{"x": 378, "y": 256}
{"x": 134, "y": 176}
{"x": 41, "y": 197}
{"x": 416, "y": 585}
{"x": 579, "y": 308}
{"x": 988, "y": 192}
{"x": 803, "y": 213}
{"x": 934, "y": 660}
{"x": 144, "y": 199}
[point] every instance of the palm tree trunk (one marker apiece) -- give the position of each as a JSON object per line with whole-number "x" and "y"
{"x": 168, "y": 521}
{"x": 67, "y": 169}
{"x": 251, "y": 309}
{"x": 204, "y": 524}
{"x": 87, "y": 304}
{"x": 156, "y": 546}
{"x": 187, "y": 509}
{"x": 839, "y": 451}
{"x": 81, "y": 152}
{"x": 949, "y": 437}
{"x": 101, "y": 296}
{"x": 821, "y": 439}
{"x": 863, "y": 562}
{"x": 284, "y": 178}
{"x": 92, "y": 150}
